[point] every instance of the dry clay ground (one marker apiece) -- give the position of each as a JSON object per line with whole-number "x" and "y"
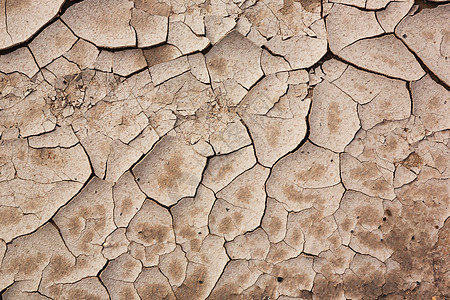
{"x": 224, "y": 149}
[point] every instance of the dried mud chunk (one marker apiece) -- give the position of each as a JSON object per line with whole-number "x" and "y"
{"x": 190, "y": 219}
{"x": 347, "y": 24}
{"x": 120, "y": 159}
{"x": 381, "y": 98}
{"x": 440, "y": 252}
{"x": 308, "y": 167}
{"x": 182, "y": 37}
{"x": 122, "y": 268}
{"x": 365, "y": 278}
{"x": 106, "y": 24}
{"x": 198, "y": 68}
{"x": 160, "y": 54}
{"x": 275, "y": 118}
{"x": 119, "y": 276}
{"x": 365, "y": 177}
{"x": 333, "y": 119}
{"x": 171, "y": 171}
{"x": 128, "y": 199}
{"x": 252, "y": 245}
{"x": 83, "y": 53}
{"x": 20, "y": 60}
{"x": 285, "y": 19}
{"x": 126, "y": 62}
{"x": 154, "y": 8}
{"x": 238, "y": 276}
{"x": 204, "y": 269}
{"x": 431, "y": 104}
{"x": 152, "y": 284}
{"x": 223, "y": 169}
{"x": 240, "y": 205}
{"x": 98, "y": 147}
{"x": 27, "y": 257}
{"x": 234, "y": 136}
{"x": 300, "y": 51}
{"x": 393, "y": 14}
{"x": 272, "y": 64}
{"x": 35, "y": 113}
{"x": 87, "y": 220}
{"x": 334, "y": 262}
{"x": 275, "y": 136}
{"x": 296, "y": 274}
{"x": 152, "y": 227}
{"x": 266, "y": 287}
{"x": 46, "y": 180}
{"x": 86, "y": 288}
{"x": 5, "y": 38}
{"x": 62, "y": 136}
{"x": 115, "y": 244}
{"x": 274, "y": 220}
{"x": 173, "y": 265}
{"x": 296, "y": 198}
{"x": 29, "y": 210}
{"x": 366, "y": 213}
{"x": 150, "y": 29}
{"x": 426, "y": 34}
{"x": 396, "y": 106}
{"x": 317, "y": 229}
{"x": 386, "y": 55}
{"x": 234, "y": 58}
{"x": 50, "y": 165}
{"x": 25, "y": 18}
{"x": 51, "y": 43}
{"x": 15, "y": 292}
{"x": 167, "y": 70}
{"x": 216, "y": 27}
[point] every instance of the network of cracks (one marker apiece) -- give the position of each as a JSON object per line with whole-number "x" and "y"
{"x": 224, "y": 149}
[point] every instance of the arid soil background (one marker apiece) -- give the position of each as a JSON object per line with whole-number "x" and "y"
{"x": 224, "y": 149}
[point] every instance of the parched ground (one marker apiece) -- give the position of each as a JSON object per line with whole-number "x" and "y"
{"x": 224, "y": 149}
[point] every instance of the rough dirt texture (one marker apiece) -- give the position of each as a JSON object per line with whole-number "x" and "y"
{"x": 224, "y": 149}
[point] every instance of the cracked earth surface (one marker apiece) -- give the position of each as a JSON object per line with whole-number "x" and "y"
{"x": 224, "y": 149}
